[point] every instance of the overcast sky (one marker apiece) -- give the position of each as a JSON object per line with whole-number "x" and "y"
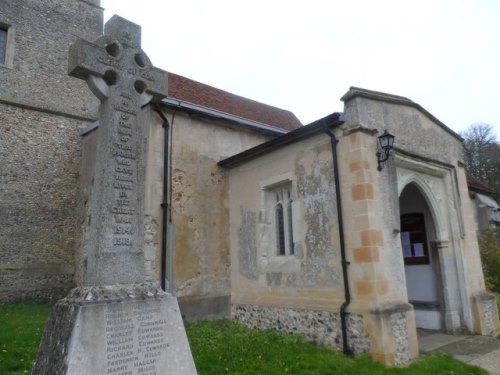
{"x": 304, "y": 55}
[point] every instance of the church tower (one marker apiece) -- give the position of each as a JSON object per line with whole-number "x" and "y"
{"x": 41, "y": 110}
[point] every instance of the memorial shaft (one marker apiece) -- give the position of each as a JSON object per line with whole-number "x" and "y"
{"x": 121, "y": 76}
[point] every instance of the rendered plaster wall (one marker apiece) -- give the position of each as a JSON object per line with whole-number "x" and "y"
{"x": 41, "y": 109}
{"x": 472, "y": 258}
{"x": 200, "y": 212}
{"x": 311, "y": 278}
{"x": 415, "y": 132}
{"x": 262, "y": 295}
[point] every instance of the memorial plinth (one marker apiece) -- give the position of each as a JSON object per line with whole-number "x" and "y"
{"x": 121, "y": 329}
{"x": 115, "y": 322}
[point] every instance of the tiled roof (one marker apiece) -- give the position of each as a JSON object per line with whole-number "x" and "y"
{"x": 186, "y": 89}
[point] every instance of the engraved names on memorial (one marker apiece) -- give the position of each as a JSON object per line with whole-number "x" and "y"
{"x": 125, "y": 173}
{"x": 135, "y": 340}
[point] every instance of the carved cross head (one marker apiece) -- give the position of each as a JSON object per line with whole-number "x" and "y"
{"x": 115, "y": 65}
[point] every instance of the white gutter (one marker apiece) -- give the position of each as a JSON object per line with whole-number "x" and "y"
{"x": 171, "y": 102}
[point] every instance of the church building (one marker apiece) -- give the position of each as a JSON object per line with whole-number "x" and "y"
{"x": 354, "y": 230}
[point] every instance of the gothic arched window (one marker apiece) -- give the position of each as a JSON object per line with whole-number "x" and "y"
{"x": 281, "y": 199}
{"x": 290, "y": 227}
{"x": 280, "y": 229}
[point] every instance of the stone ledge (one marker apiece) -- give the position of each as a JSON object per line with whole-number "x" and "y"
{"x": 391, "y": 308}
{"x": 37, "y": 107}
{"x": 113, "y": 293}
{"x": 39, "y": 269}
{"x": 359, "y": 128}
{"x": 483, "y": 295}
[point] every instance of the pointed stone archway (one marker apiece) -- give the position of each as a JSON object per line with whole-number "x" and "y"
{"x": 431, "y": 189}
{"x": 422, "y": 268}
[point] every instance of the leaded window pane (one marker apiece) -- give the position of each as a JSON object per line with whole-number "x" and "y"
{"x": 3, "y": 44}
{"x": 280, "y": 229}
{"x": 290, "y": 228}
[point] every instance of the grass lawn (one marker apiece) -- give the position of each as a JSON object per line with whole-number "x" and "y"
{"x": 223, "y": 347}
{"x": 21, "y": 329}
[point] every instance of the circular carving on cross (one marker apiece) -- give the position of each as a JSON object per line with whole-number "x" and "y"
{"x": 113, "y": 49}
{"x": 110, "y": 77}
{"x": 140, "y": 60}
{"x": 139, "y": 86}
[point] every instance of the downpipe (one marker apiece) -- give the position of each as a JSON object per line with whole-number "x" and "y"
{"x": 347, "y": 295}
{"x": 164, "y": 206}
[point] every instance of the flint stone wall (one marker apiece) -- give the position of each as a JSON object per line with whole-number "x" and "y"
{"x": 43, "y": 32}
{"x": 489, "y": 315}
{"x": 321, "y": 327}
{"x": 489, "y": 311}
{"x": 399, "y": 328}
{"x": 41, "y": 109}
{"x": 40, "y": 159}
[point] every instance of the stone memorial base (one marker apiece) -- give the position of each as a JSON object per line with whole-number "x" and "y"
{"x": 119, "y": 329}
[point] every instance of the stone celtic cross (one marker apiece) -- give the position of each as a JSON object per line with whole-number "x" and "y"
{"x": 121, "y": 75}
{"x": 116, "y": 321}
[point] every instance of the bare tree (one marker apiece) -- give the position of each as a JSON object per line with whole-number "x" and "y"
{"x": 482, "y": 155}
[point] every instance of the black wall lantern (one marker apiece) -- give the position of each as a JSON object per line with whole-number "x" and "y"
{"x": 386, "y": 143}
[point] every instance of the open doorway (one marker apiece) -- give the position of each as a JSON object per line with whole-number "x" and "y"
{"x": 423, "y": 281}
